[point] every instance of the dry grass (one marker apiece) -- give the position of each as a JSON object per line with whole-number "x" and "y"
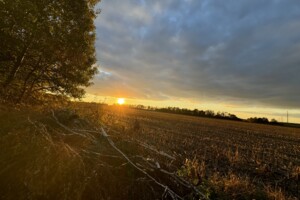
{"x": 39, "y": 159}
{"x": 246, "y": 156}
{"x": 38, "y": 162}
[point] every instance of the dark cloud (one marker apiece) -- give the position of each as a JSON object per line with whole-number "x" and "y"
{"x": 236, "y": 51}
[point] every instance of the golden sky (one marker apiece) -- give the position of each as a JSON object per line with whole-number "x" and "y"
{"x": 241, "y": 111}
{"x": 241, "y": 57}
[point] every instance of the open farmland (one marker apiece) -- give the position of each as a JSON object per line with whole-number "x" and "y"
{"x": 143, "y": 155}
{"x": 238, "y": 158}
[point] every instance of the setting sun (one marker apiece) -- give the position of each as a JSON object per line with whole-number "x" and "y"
{"x": 121, "y": 101}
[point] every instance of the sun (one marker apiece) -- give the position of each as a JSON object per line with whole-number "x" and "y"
{"x": 121, "y": 101}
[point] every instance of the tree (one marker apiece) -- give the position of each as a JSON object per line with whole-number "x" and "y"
{"x": 46, "y": 46}
{"x": 274, "y": 121}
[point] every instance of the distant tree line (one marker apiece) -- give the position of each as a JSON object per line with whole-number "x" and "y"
{"x": 194, "y": 112}
{"x": 262, "y": 120}
{"x": 208, "y": 114}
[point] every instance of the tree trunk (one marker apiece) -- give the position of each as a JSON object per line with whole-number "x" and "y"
{"x": 11, "y": 76}
{"x": 27, "y": 79}
{"x": 15, "y": 69}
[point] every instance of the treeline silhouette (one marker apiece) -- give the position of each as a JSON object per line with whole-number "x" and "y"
{"x": 207, "y": 114}
{"x": 194, "y": 112}
{"x": 262, "y": 120}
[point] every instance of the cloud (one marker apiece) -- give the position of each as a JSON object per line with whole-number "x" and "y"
{"x": 236, "y": 51}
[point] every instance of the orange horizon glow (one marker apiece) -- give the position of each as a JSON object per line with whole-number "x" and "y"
{"x": 241, "y": 111}
{"x": 121, "y": 101}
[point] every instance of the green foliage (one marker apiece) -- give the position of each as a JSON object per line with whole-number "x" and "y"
{"x": 193, "y": 171}
{"x": 46, "y": 46}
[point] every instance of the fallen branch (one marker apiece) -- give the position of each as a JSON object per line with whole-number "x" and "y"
{"x": 156, "y": 166}
{"x": 166, "y": 188}
{"x": 147, "y": 146}
{"x": 70, "y": 130}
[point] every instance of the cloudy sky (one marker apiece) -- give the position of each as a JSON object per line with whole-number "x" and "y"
{"x": 238, "y": 56}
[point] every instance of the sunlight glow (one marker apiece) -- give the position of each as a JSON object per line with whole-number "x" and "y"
{"x": 121, "y": 101}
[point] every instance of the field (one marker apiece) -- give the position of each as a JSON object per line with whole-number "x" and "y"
{"x": 89, "y": 151}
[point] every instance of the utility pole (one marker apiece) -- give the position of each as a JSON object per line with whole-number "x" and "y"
{"x": 287, "y": 116}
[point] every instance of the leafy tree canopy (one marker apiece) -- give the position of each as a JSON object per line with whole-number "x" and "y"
{"x": 46, "y": 46}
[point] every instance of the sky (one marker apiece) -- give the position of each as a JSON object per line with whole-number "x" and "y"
{"x": 241, "y": 57}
